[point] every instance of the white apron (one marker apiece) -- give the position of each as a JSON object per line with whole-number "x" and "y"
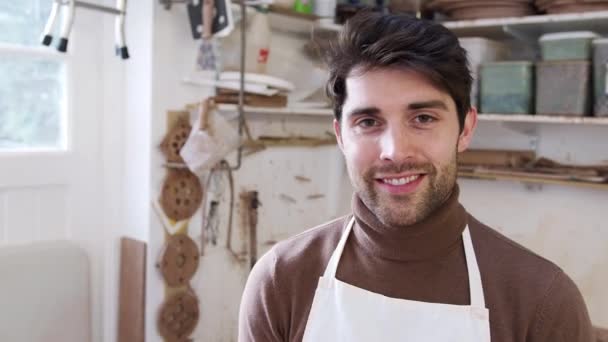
{"x": 342, "y": 312}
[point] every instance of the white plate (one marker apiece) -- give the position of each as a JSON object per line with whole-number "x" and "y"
{"x": 252, "y": 88}
{"x": 271, "y": 81}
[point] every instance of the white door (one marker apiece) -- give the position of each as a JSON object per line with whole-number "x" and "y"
{"x": 50, "y": 136}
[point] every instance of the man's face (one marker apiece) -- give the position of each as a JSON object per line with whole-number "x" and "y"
{"x": 400, "y": 138}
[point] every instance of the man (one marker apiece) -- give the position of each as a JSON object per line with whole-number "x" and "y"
{"x": 410, "y": 264}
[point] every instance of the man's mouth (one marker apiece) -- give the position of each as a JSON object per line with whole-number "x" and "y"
{"x": 400, "y": 184}
{"x": 401, "y": 180}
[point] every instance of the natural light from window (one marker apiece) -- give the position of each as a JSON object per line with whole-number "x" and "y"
{"x": 33, "y": 82}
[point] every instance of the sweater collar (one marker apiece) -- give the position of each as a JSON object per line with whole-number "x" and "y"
{"x": 434, "y": 236}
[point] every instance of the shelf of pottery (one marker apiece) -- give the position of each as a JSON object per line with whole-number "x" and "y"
{"x": 535, "y": 63}
{"x": 525, "y": 55}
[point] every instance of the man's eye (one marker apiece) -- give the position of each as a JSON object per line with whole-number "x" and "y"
{"x": 367, "y": 123}
{"x": 424, "y": 119}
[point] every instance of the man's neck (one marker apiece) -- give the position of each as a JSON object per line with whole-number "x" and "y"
{"x": 425, "y": 239}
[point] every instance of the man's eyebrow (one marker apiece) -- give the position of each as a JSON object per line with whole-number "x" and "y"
{"x": 428, "y": 104}
{"x": 372, "y": 111}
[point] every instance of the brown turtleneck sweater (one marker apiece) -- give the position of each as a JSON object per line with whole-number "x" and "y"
{"x": 529, "y": 298}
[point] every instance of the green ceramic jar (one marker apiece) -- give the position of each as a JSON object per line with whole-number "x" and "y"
{"x": 507, "y": 87}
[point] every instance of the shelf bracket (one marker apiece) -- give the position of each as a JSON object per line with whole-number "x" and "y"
{"x": 519, "y": 34}
{"x": 168, "y": 3}
{"x": 528, "y": 129}
{"x": 533, "y": 186}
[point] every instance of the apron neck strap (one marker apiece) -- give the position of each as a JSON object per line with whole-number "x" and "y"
{"x": 475, "y": 286}
{"x": 332, "y": 265}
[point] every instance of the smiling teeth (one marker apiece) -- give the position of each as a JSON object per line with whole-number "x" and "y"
{"x": 401, "y": 181}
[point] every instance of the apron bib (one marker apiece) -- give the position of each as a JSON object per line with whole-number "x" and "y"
{"x": 342, "y": 312}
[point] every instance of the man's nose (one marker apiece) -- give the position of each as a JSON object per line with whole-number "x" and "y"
{"x": 396, "y": 145}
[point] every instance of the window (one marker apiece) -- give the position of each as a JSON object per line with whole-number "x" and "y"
{"x": 33, "y": 81}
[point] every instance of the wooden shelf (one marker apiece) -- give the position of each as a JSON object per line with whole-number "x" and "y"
{"x": 532, "y": 119}
{"x": 291, "y": 13}
{"x": 327, "y": 24}
{"x": 489, "y": 176}
{"x": 285, "y": 20}
{"x": 530, "y": 27}
{"x": 544, "y": 119}
{"x": 318, "y": 112}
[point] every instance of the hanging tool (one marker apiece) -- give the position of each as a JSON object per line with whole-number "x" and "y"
{"x": 210, "y": 220}
{"x": 251, "y": 203}
{"x": 222, "y": 18}
{"x": 207, "y": 53}
{"x": 68, "y": 8}
{"x": 253, "y": 229}
{"x": 208, "y": 144}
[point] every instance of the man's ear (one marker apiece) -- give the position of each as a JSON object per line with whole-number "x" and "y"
{"x": 338, "y": 132}
{"x": 470, "y": 123}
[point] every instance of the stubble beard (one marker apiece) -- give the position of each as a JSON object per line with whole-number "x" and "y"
{"x": 398, "y": 211}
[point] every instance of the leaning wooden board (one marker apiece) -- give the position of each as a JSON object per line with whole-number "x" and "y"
{"x": 132, "y": 296}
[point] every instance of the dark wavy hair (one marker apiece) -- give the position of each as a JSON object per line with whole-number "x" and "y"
{"x": 372, "y": 40}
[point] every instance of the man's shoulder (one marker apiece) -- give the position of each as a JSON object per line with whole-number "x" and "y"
{"x": 494, "y": 247}
{"x": 283, "y": 281}
{"x": 515, "y": 278}
{"x": 311, "y": 243}
{"x": 510, "y": 269}
{"x": 299, "y": 260}
{"x": 307, "y": 249}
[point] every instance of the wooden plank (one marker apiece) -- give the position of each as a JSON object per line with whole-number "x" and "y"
{"x": 253, "y": 100}
{"x": 496, "y": 158}
{"x": 132, "y": 295}
{"x": 532, "y": 173}
{"x": 324, "y": 113}
{"x": 489, "y": 176}
{"x": 543, "y": 119}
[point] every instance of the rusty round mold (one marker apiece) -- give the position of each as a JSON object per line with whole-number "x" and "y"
{"x": 178, "y": 317}
{"x": 175, "y": 140}
{"x": 181, "y": 195}
{"x": 179, "y": 260}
